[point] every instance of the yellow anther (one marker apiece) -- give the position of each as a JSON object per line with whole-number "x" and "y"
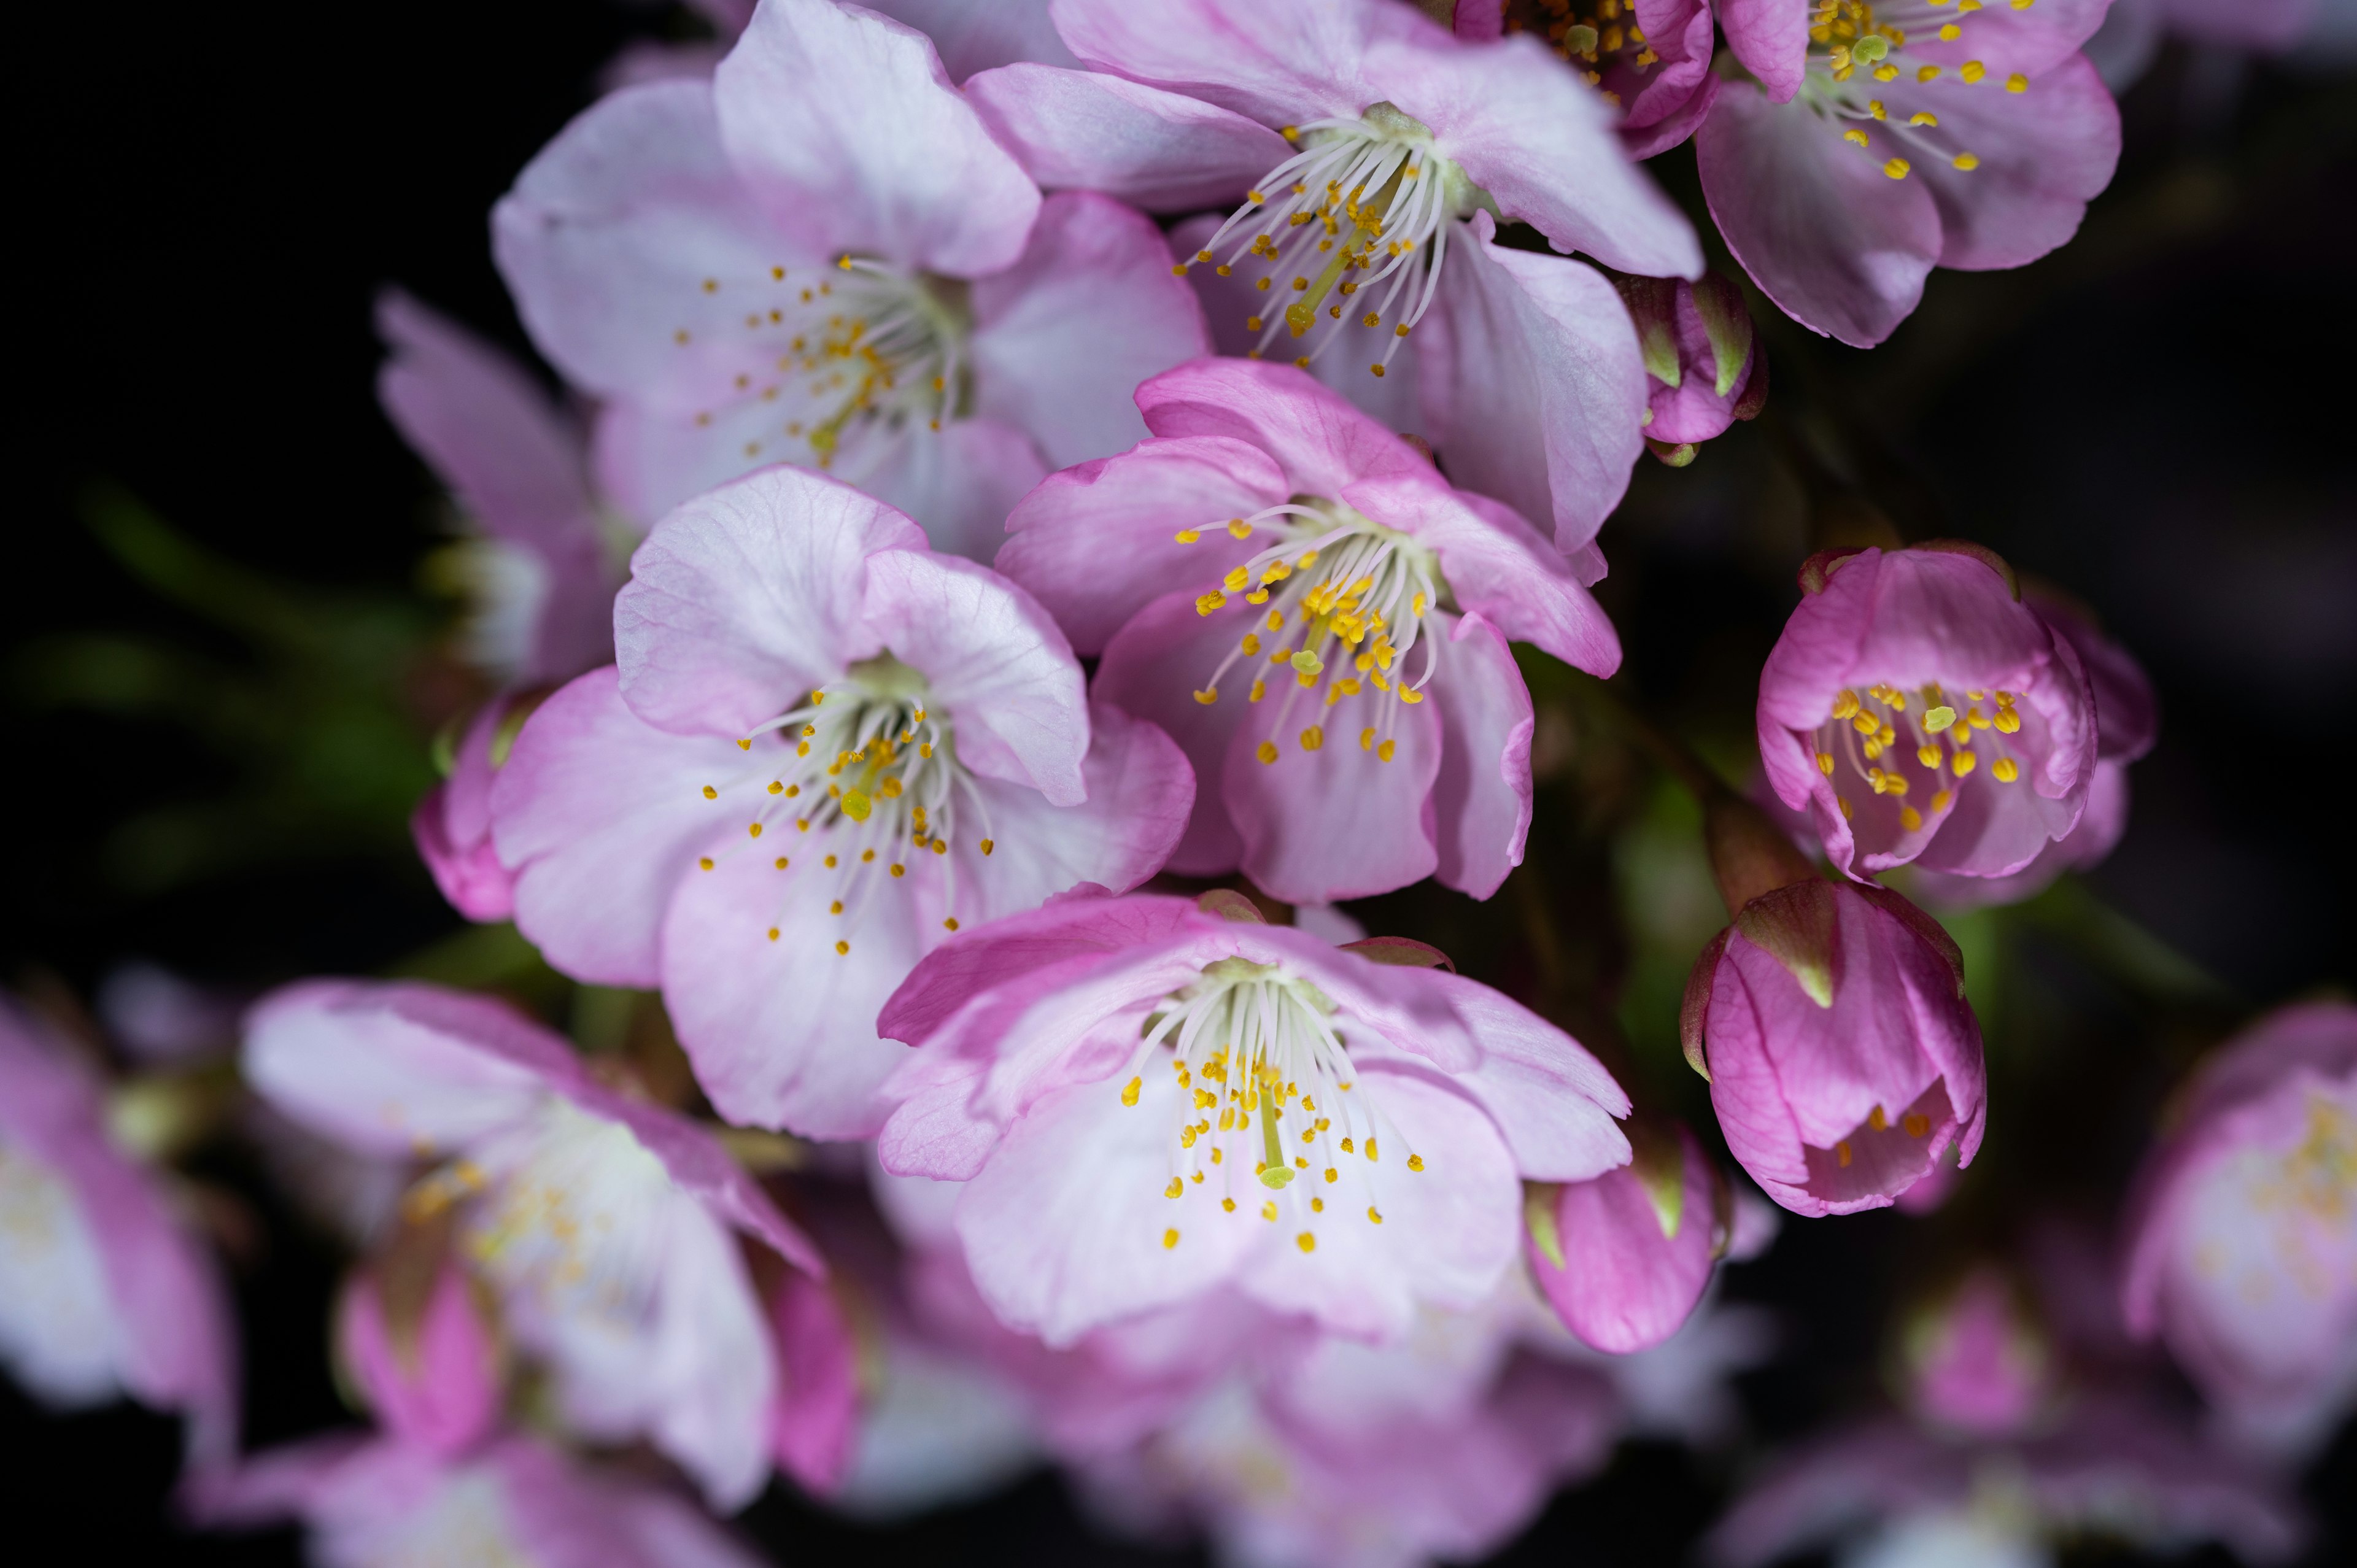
{"x": 1910, "y": 818}
{"x": 704, "y": 862}
{"x": 1371, "y": 1148}
{"x": 1841, "y": 1153}
{"x": 1973, "y": 71}
{"x": 1927, "y": 74}
{"x": 1950, "y": 33}
{"x": 837, "y": 906}
{"x": 1269, "y": 1212}
{"x": 1965, "y": 161}
{"x": 1236, "y": 581}
{"x": 1265, "y": 751}
{"x": 1306, "y": 1241}
{"x": 1188, "y": 536}
{"x": 843, "y": 950}
{"x": 710, "y": 793}
{"x": 1845, "y": 704}
{"x": 989, "y": 845}
{"x": 2004, "y": 769}
{"x": 1175, "y": 1189}
{"x": 1170, "y": 1238}
{"x": 1915, "y": 1122}
{"x": 2016, "y": 82}
{"x": 1385, "y": 751}
{"x": 2007, "y": 722}
{"x": 1208, "y": 696}
{"x": 1928, "y": 755}
{"x": 1897, "y": 169}
{"x": 1416, "y": 1162}
{"x": 1367, "y": 738}
{"x": 1374, "y": 1214}
{"x": 782, "y": 862}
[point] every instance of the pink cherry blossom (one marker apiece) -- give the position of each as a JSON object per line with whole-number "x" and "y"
{"x": 103, "y": 1293}
{"x": 815, "y": 1422}
{"x": 1702, "y": 369}
{"x": 1975, "y": 1364}
{"x": 1624, "y": 1258}
{"x": 2242, "y": 1241}
{"x": 430, "y": 1370}
{"x": 1925, "y": 714}
{"x": 825, "y": 749}
{"x": 1873, "y": 144}
{"x": 1842, "y": 1055}
{"x": 517, "y": 1500}
{"x": 1102, "y": 1072}
{"x": 452, "y": 824}
{"x": 1363, "y": 123}
{"x": 1265, "y": 502}
{"x": 821, "y": 257}
{"x": 1650, "y": 59}
{"x": 604, "y": 1228}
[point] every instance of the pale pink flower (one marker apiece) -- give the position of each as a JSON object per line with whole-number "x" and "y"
{"x": 1925, "y": 714}
{"x": 1872, "y": 144}
{"x": 1650, "y": 59}
{"x": 103, "y": 1293}
{"x": 1149, "y": 1102}
{"x": 1366, "y": 127}
{"x": 517, "y": 1500}
{"x": 1843, "y": 1058}
{"x": 821, "y": 257}
{"x": 1321, "y": 621}
{"x": 2242, "y": 1242}
{"x": 427, "y": 1368}
{"x": 825, "y": 749}
{"x": 605, "y": 1228}
{"x": 1624, "y": 1258}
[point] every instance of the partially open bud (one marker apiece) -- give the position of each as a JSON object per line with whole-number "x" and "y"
{"x": 1624, "y": 1258}
{"x": 1975, "y": 1362}
{"x": 1704, "y": 370}
{"x": 415, "y": 1343}
{"x": 452, "y": 825}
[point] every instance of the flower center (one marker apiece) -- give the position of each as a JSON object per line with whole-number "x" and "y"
{"x": 1847, "y": 36}
{"x": 1600, "y": 34}
{"x": 1877, "y": 738}
{"x": 1258, "y": 1049}
{"x": 871, "y": 767}
{"x": 1365, "y": 204}
{"x": 831, "y": 364}
{"x": 1355, "y": 590}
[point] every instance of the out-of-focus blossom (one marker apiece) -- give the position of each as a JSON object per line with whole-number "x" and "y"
{"x": 420, "y": 1351}
{"x": 1831, "y": 1021}
{"x": 604, "y": 1227}
{"x": 2242, "y": 1249}
{"x": 1271, "y": 541}
{"x": 823, "y": 749}
{"x": 1649, "y": 59}
{"x": 1682, "y": 1389}
{"x": 977, "y": 35}
{"x": 1362, "y": 127}
{"x": 370, "y": 1502}
{"x": 1873, "y": 142}
{"x": 814, "y": 1425}
{"x": 821, "y": 257}
{"x": 1703, "y": 371}
{"x": 159, "y": 1019}
{"x": 1624, "y": 1258}
{"x": 1926, "y": 716}
{"x": 2133, "y": 30}
{"x": 1975, "y": 1364}
{"x": 452, "y": 825}
{"x": 104, "y": 1292}
{"x": 1148, "y": 1101}
{"x": 1890, "y": 1494}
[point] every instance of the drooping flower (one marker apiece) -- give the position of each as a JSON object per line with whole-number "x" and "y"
{"x": 103, "y": 1294}
{"x": 605, "y": 1228}
{"x": 517, "y": 1500}
{"x": 1302, "y": 601}
{"x": 1925, "y": 714}
{"x": 1624, "y": 1258}
{"x": 1649, "y": 59}
{"x": 1703, "y": 371}
{"x": 1374, "y": 154}
{"x": 2242, "y": 1244}
{"x": 825, "y": 749}
{"x": 1148, "y": 1101}
{"x": 1875, "y": 142}
{"x": 821, "y": 257}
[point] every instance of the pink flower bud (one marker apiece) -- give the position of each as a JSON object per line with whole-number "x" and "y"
{"x": 1625, "y": 1257}
{"x": 452, "y": 825}
{"x": 1703, "y": 371}
{"x": 2242, "y": 1235}
{"x": 816, "y": 1417}
{"x": 1843, "y": 1057}
{"x": 1975, "y": 1364}
{"x": 421, "y": 1354}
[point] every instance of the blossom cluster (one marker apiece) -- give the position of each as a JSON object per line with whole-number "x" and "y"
{"x": 1049, "y": 500}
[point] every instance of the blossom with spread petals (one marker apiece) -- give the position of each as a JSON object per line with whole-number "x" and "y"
{"x": 516, "y": 1501}
{"x": 1624, "y": 1258}
{"x": 1147, "y": 1102}
{"x": 2242, "y": 1240}
{"x": 103, "y": 1293}
{"x": 1376, "y": 154}
{"x": 825, "y": 749}
{"x": 821, "y": 257}
{"x": 1875, "y": 142}
{"x": 604, "y": 1227}
{"x": 1843, "y": 1058}
{"x": 1302, "y": 601}
{"x": 1925, "y": 714}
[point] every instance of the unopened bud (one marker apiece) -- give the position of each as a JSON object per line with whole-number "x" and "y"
{"x": 1701, "y": 358}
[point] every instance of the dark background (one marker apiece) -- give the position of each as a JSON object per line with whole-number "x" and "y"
{"x": 2156, "y": 417}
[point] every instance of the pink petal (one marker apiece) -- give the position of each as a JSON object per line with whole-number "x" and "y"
{"x": 1338, "y": 821}
{"x": 452, "y": 825}
{"x": 1666, "y": 102}
{"x": 1320, "y": 442}
{"x": 1626, "y": 1285}
{"x": 1840, "y": 246}
{"x": 1151, "y": 669}
{"x": 848, "y": 133}
{"x": 1284, "y": 65}
{"x": 2125, "y": 708}
{"x": 1481, "y": 797}
{"x": 2044, "y": 155}
{"x": 1552, "y": 1101}
{"x": 959, "y": 482}
{"x": 602, "y": 815}
{"x": 1085, "y": 924}
{"x": 1543, "y": 146}
{"x": 444, "y": 1394}
{"x": 1062, "y": 338}
{"x": 1097, "y": 542}
{"x": 1771, "y": 38}
{"x": 748, "y": 598}
{"x": 817, "y": 1416}
{"x": 1546, "y": 389}
{"x": 995, "y": 661}
{"x": 1082, "y": 130}
{"x": 972, "y": 37}
{"x": 2006, "y": 40}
